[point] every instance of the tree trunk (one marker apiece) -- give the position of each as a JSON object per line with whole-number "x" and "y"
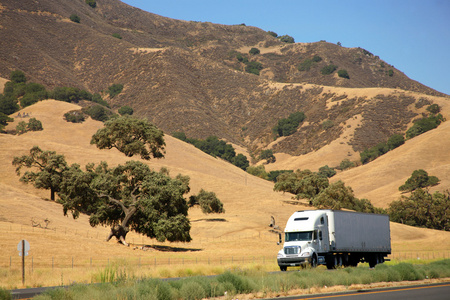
{"x": 52, "y": 194}
{"x": 120, "y": 231}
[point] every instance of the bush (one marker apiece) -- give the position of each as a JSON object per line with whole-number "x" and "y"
{"x": 327, "y": 124}
{"x": 258, "y": 171}
{"x": 273, "y": 175}
{"x": 4, "y": 120}
{"x": 419, "y": 179}
{"x": 241, "y": 161}
{"x": 254, "y": 51}
{"x": 117, "y": 36}
{"x": 180, "y": 135}
{"x": 286, "y": 39}
{"x": 305, "y": 65}
{"x": 434, "y": 109}
{"x": 253, "y": 67}
{"x": 327, "y": 70}
{"x": 343, "y": 73}
{"x": 424, "y": 125}
{"x": 346, "y": 164}
{"x": 289, "y": 125}
{"x": 98, "y": 112}
{"x": 316, "y": 58}
{"x": 267, "y": 155}
{"x": 21, "y": 128}
{"x": 5, "y": 294}
{"x": 34, "y": 125}
{"x": 272, "y": 33}
{"x": 74, "y": 18}
{"x": 126, "y": 110}
{"x": 115, "y": 89}
{"x": 74, "y": 116}
{"x": 326, "y": 171}
{"x": 395, "y": 141}
{"x": 91, "y": 3}
{"x": 17, "y": 76}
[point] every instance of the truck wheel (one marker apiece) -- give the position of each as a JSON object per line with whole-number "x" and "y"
{"x": 283, "y": 268}
{"x": 314, "y": 261}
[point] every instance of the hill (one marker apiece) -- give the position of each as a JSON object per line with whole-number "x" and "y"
{"x": 242, "y": 231}
{"x": 186, "y": 76}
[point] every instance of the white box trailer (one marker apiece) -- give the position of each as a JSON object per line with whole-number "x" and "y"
{"x": 334, "y": 238}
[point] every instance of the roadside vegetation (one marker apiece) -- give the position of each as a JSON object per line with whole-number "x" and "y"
{"x": 117, "y": 283}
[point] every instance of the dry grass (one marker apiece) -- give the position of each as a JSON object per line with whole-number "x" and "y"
{"x": 239, "y": 234}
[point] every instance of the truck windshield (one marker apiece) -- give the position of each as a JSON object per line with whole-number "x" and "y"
{"x": 298, "y": 236}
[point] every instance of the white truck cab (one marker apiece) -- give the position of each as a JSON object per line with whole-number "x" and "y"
{"x": 305, "y": 238}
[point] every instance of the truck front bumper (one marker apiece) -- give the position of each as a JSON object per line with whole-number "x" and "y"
{"x": 292, "y": 261}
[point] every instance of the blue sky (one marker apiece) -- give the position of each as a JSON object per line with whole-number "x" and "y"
{"x": 411, "y": 35}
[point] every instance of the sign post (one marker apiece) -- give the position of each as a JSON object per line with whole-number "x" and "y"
{"x": 23, "y": 247}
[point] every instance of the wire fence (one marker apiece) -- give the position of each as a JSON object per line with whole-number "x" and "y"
{"x": 38, "y": 262}
{"x": 13, "y": 262}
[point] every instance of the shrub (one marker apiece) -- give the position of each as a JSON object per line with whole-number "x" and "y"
{"x": 253, "y": 67}
{"x": 327, "y": 124}
{"x": 17, "y": 76}
{"x": 91, "y": 3}
{"x": 4, "y": 120}
{"x": 395, "y": 141}
{"x": 273, "y": 175}
{"x": 267, "y": 155}
{"x": 241, "y": 161}
{"x": 115, "y": 89}
{"x": 254, "y": 51}
{"x": 74, "y": 18}
{"x": 180, "y": 135}
{"x": 289, "y": 125}
{"x": 390, "y": 73}
{"x": 316, "y": 58}
{"x": 346, "y": 164}
{"x": 305, "y": 65}
{"x": 21, "y": 128}
{"x": 98, "y": 112}
{"x": 434, "y": 109}
{"x": 258, "y": 171}
{"x": 326, "y": 171}
{"x": 327, "y": 70}
{"x": 286, "y": 39}
{"x": 74, "y": 116}
{"x": 343, "y": 73}
{"x": 5, "y": 294}
{"x": 272, "y": 33}
{"x": 126, "y": 110}
{"x": 424, "y": 125}
{"x": 418, "y": 179}
{"x": 34, "y": 125}
{"x": 117, "y": 36}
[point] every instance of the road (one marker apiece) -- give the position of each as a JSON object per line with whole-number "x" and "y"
{"x": 439, "y": 291}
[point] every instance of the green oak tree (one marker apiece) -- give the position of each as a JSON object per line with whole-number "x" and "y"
{"x": 46, "y": 169}
{"x": 131, "y": 136}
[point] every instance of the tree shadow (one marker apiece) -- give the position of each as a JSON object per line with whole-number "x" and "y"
{"x": 211, "y": 220}
{"x": 162, "y": 248}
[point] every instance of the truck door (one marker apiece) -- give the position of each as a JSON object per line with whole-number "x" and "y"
{"x": 324, "y": 243}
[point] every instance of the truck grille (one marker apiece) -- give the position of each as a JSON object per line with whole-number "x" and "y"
{"x": 289, "y": 250}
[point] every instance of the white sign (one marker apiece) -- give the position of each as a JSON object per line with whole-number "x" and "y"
{"x": 27, "y": 247}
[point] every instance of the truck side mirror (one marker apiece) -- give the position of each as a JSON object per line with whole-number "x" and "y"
{"x": 279, "y": 239}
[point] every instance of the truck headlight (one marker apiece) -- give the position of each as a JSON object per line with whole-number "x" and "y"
{"x": 305, "y": 254}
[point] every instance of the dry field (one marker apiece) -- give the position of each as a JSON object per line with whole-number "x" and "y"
{"x": 70, "y": 250}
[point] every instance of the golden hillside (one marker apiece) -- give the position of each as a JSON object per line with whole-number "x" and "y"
{"x": 249, "y": 201}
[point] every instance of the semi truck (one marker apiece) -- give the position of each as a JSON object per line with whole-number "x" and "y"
{"x": 334, "y": 238}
